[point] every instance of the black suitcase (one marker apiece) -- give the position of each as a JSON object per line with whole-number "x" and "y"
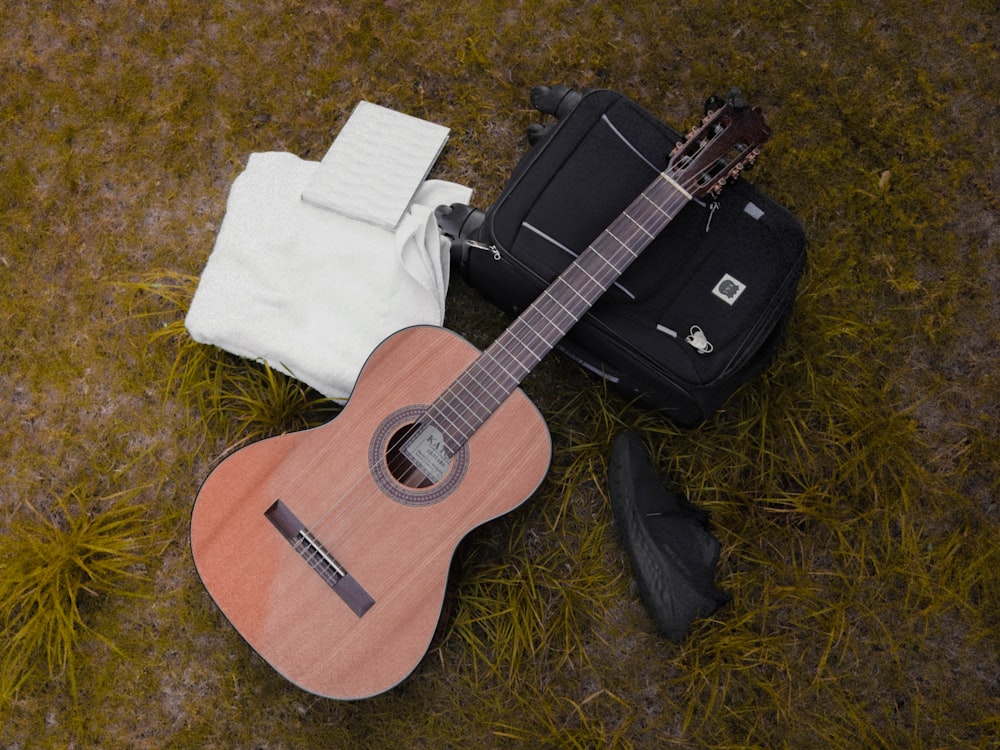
{"x": 703, "y": 308}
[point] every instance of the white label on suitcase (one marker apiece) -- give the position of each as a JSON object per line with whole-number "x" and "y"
{"x": 729, "y": 289}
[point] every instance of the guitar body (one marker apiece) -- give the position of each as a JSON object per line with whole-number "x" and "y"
{"x": 394, "y": 542}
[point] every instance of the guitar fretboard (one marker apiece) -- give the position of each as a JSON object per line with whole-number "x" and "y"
{"x": 486, "y": 383}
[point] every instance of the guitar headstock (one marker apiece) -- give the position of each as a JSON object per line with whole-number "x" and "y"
{"x": 722, "y": 146}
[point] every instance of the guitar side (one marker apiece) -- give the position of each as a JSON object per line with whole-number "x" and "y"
{"x": 395, "y": 545}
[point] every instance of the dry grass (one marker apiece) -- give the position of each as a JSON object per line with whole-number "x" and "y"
{"x": 853, "y": 485}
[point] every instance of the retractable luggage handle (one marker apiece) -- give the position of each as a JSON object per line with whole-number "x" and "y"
{"x": 459, "y": 222}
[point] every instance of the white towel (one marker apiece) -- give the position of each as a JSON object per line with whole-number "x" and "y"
{"x": 310, "y": 291}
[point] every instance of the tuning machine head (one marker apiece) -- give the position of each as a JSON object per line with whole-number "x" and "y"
{"x": 735, "y": 99}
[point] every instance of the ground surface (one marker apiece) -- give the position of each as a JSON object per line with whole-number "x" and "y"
{"x": 853, "y": 486}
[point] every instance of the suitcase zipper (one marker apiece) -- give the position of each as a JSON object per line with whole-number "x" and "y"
{"x": 492, "y": 249}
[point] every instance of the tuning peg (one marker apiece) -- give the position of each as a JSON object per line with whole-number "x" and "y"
{"x": 713, "y": 103}
{"x": 736, "y": 98}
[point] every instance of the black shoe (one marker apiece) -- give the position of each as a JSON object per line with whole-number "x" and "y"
{"x": 672, "y": 553}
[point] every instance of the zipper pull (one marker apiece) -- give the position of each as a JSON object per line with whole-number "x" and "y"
{"x": 482, "y": 246}
{"x": 699, "y": 341}
{"x": 712, "y": 208}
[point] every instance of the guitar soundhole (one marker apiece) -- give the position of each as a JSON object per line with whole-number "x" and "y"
{"x": 397, "y": 476}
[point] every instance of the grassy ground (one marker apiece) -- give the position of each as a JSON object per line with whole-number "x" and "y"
{"x": 853, "y": 485}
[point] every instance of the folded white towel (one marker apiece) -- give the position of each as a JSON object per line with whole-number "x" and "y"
{"x": 310, "y": 291}
{"x": 376, "y": 164}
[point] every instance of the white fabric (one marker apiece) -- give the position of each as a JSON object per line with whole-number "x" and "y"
{"x": 310, "y": 291}
{"x": 375, "y": 164}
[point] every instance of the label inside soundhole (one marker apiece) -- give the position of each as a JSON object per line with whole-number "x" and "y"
{"x": 425, "y": 450}
{"x": 408, "y": 460}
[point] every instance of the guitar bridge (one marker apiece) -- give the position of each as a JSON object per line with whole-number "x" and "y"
{"x": 318, "y": 558}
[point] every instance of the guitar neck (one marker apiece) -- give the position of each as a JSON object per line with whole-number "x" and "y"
{"x": 473, "y": 397}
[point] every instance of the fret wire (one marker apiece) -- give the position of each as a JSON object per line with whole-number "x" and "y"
{"x": 500, "y": 389}
{"x": 627, "y": 238}
{"x": 468, "y": 406}
{"x": 563, "y": 281}
{"x": 626, "y": 225}
{"x": 557, "y": 316}
{"x": 477, "y": 394}
{"x": 602, "y": 278}
{"x": 639, "y": 224}
{"x": 524, "y": 367}
{"x": 557, "y": 302}
{"x": 558, "y": 327}
{"x": 517, "y": 333}
{"x": 613, "y": 236}
{"x": 483, "y": 393}
{"x": 532, "y": 322}
{"x": 459, "y": 433}
{"x": 654, "y": 205}
{"x": 584, "y": 270}
{"x": 600, "y": 282}
{"x": 490, "y": 358}
{"x": 450, "y": 404}
{"x": 453, "y": 393}
{"x": 474, "y": 373}
{"x": 561, "y": 314}
{"x": 581, "y": 290}
{"x": 441, "y": 420}
{"x": 480, "y": 367}
{"x": 547, "y": 322}
{"x": 607, "y": 261}
{"x": 502, "y": 343}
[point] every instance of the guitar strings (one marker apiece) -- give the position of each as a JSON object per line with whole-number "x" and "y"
{"x": 679, "y": 195}
{"x": 548, "y": 310}
{"x": 539, "y": 316}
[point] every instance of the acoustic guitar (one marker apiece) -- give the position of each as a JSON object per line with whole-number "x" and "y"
{"x": 328, "y": 549}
